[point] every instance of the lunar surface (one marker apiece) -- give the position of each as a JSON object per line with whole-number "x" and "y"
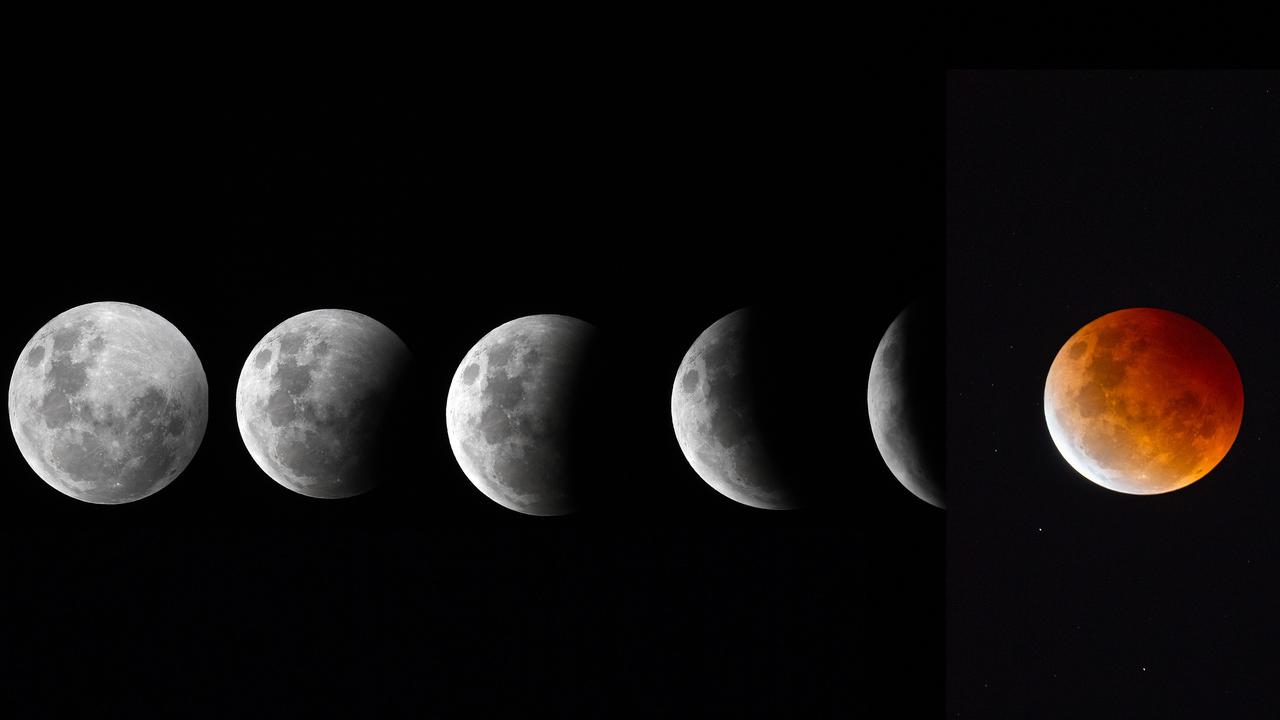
{"x": 313, "y": 399}
{"x": 510, "y": 413}
{"x": 108, "y": 403}
{"x": 905, "y": 400}
{"x": 1143, "y": 401}
{"x": 715, "y": 411}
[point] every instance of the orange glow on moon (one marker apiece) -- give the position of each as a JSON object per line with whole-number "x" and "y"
{"x": 1143, "y": 401}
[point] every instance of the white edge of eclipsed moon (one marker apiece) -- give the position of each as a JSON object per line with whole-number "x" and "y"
{"x": 1076, "y": 457}
{"x": 877, "y": 380}
{"x": 243, "y": 410}
{"x": 454, "y": 429}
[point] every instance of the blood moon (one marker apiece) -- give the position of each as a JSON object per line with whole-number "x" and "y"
{"x": 1143, "y": 401}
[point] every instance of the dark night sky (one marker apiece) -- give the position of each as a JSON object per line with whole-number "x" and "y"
{"x": 647, "y": 200}
{"x": 1070, "y": 195}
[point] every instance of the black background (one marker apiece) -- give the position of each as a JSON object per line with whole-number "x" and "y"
{"x": 647, "y": 199}
{"x": 1069, "y": 195}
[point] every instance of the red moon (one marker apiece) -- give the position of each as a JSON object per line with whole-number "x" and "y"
{"x": 1143, "y": 401}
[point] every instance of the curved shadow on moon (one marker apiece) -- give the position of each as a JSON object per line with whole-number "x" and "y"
{"x": 524, "y": 414}
{"x": 320, "y": 400}
{"x": 749, "y": 409}
{"x": 905, "y": 397}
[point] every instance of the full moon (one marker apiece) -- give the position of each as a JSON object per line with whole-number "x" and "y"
{"x": 513, "y": 409}
{"x": 1143, "y": 401}
{"x": 716, "y": 411}
{"x": 108, "y": 403}
{"x": 905, "y": 400}
{"x": 314, "y": 398}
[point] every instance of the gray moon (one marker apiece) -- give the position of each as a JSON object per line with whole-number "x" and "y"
{"x": 312, "y": 399}
{"x": 713, "y": 411}
{"x": 108, "y": 403}
{"x": 904, "y": 415}
{"x": 508, "y": 412}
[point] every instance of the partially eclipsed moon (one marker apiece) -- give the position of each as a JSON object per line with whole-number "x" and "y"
{"x": 313, "y": 398}
{"x": 511, "y": 412}
{"x": 904, "y": 400}
{"x": 1143, "y": 401}
{"x": 716, "y": 414}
